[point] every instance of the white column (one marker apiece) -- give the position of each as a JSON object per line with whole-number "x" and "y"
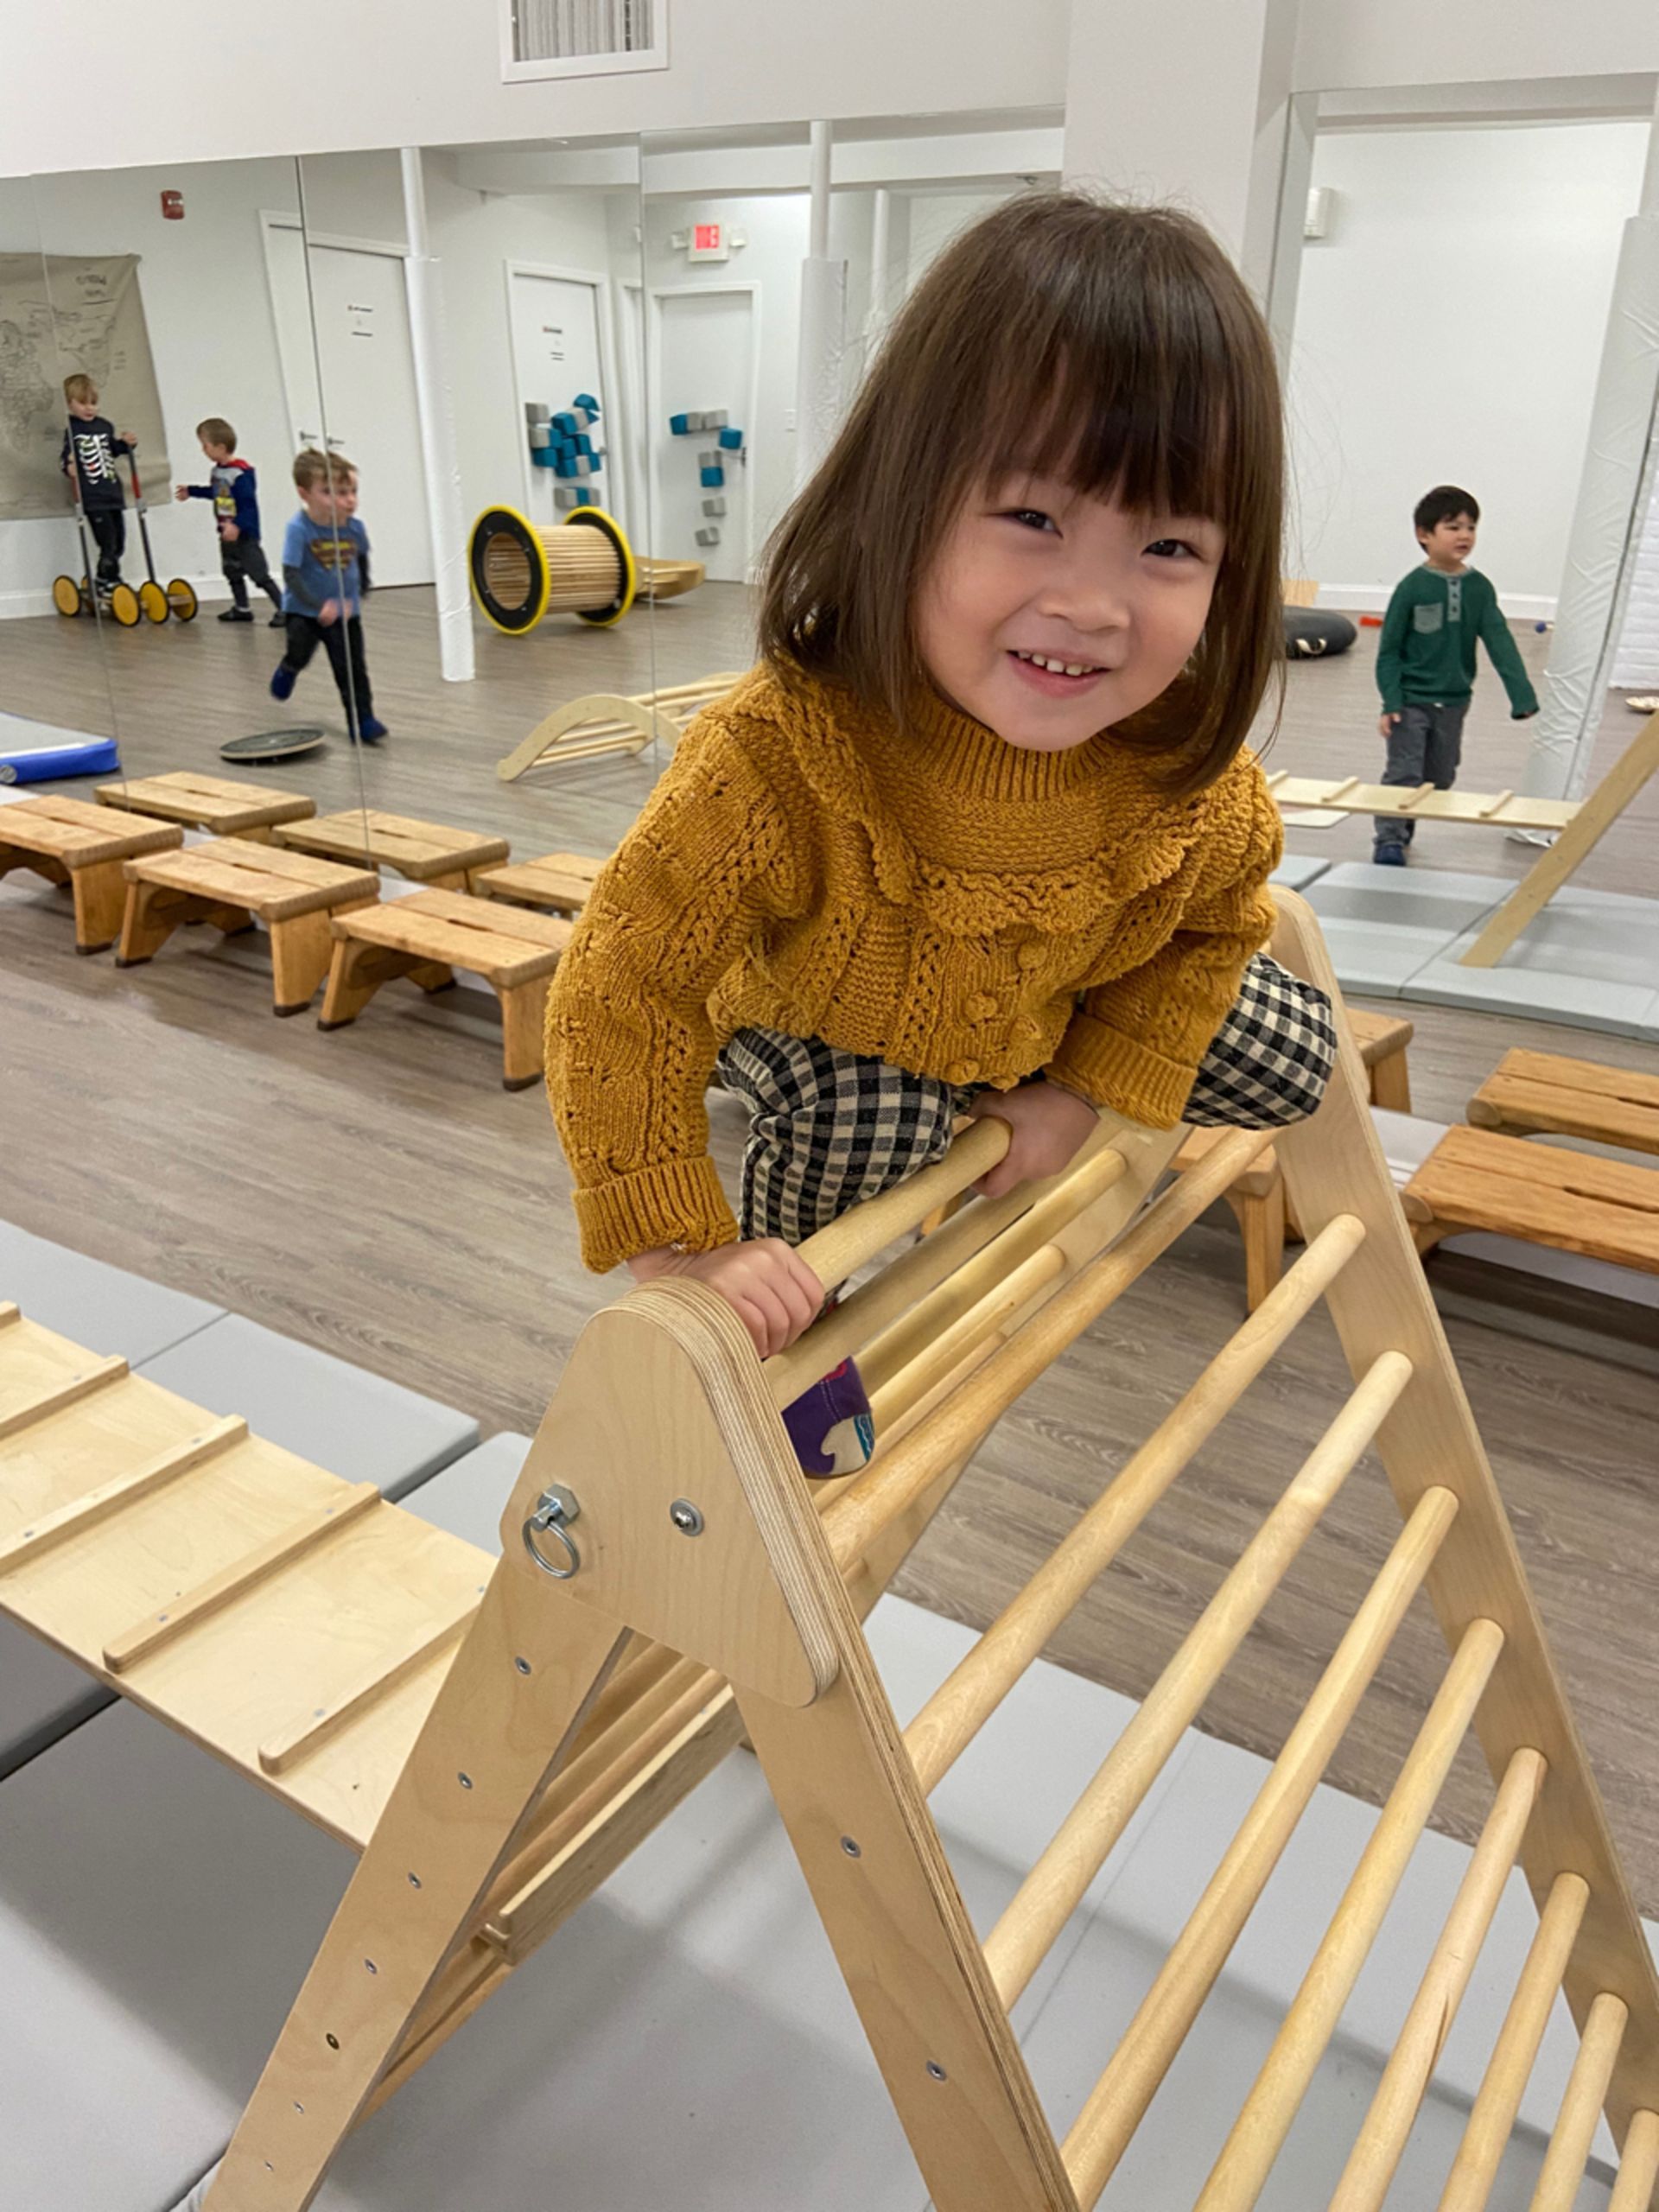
{"x": 436, "y": 413}
{"x": 1606, "y": 535}
{"x": 824, "y": 326}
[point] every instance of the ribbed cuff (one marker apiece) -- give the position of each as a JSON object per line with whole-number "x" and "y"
{"x": 679, "y": 1203}
{"x": 1111, "y": 1068}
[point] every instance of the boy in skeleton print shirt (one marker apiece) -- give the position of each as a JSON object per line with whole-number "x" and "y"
{"x": 90, "y": 447}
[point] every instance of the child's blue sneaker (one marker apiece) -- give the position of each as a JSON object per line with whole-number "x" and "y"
{"x": 1388, "y": 856}
{"x": 281, "y": 684}
{"x": 831, "y": 1426}
{"x": 369, "y": 730}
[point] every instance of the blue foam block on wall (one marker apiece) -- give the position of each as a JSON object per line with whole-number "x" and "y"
{"x": 544, "y": 457}
{"x": 39, "y": 764}
{"x": 732, "y": 439}
{"x": 584, "y": 444}
{"x": 566, "y": 425}
{"x": 585, "y": 399}
{"x": 712, "y": 479}
{"x": 679, "y": 426}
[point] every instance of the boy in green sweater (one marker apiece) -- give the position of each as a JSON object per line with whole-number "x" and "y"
{"x": 1425, "y": 660}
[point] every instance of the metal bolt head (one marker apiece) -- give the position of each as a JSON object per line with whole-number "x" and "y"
{"x": 935, "y": 2071}
{"x": 465, "y": 1780}
{"x": 851, "y": 1847}
{"x": 523, "y": 1665}
{"x": 560, "y": 1504}
{"x": 686, "y": 1517}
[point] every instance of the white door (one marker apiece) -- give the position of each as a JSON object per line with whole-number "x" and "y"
{"x": 558, "y": 350}
{"x": 702, "y": 360}
{"x": 346, "y": 310}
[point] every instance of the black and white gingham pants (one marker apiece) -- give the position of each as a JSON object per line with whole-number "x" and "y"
{"x": 828, "y": 1128}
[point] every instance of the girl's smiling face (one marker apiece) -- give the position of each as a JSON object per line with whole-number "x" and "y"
{"x": 1051, "y": 614}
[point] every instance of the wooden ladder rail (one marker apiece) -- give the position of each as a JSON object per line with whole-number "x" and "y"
{"x": 664, "y": 1406}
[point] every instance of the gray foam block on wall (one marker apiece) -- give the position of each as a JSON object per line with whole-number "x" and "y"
{"x": 355, "y": 1424}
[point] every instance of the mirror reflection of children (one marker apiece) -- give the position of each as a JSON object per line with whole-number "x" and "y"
{"x": 89, "y": 446}
{"x": 1425, "y": 660}
{"x": 325, "y": 574}
{"x": 980, "y": 833}
{"x": 233, "y": 489}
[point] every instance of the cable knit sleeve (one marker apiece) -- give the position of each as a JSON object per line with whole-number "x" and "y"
{"x": 1134, "y": 1044}
{"x": 629, "y": 1046}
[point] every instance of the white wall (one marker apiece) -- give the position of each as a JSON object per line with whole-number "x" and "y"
{"x": 208, "y": 305}
{"x": 1449, "y": 330}
{"x": 195, "y": 80}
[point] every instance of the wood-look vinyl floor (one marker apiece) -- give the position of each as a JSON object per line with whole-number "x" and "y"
{"x": 375, "y": 1192}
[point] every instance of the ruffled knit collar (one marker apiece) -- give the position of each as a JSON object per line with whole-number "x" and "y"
{"x": 982, "y": 834}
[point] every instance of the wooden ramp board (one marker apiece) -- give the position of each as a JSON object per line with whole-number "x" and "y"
{"x": 1577, "y": 1202}
{"x": 425, "y": 852}
{"x": 560, "y": 882}
{"x": 604, "y": 722}
{"x": 426, "y": 937}
{"x": 233, "y": 882}
{"x": 221, "y": 804}
{"x": 1531, "y": 1093}
{"x": 664, "y": 1488}
{"x": 1349, "y": 795}
{"x": 71, "y": 841}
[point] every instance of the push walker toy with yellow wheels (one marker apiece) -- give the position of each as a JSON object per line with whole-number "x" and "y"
{"x": 72, "y": 595}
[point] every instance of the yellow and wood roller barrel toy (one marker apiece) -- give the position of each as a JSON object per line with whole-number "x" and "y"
{"x": 522, "y": 570}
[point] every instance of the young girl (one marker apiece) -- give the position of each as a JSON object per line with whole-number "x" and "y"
{"x": 978, "y": 834}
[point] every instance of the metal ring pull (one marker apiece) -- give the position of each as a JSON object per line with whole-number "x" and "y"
{"x": 552, "y": 1518}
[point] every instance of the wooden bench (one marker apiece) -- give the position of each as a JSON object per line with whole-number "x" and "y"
{"x": 71, "y": 841}
{"x": 1531, "y": 1093}
{"x": 560, "y": 883}
{"x": 234, "y": 883}
{"x": 425, "y": 852}
{"x": 217, "y": 804}
{"x": 427, "y": 937}
{"x": 1477, "y": 1179}
{"x": 1257, "y": 1196}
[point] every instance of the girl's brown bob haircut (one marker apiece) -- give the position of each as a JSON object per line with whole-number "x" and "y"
{"x": 1113, "y": 348}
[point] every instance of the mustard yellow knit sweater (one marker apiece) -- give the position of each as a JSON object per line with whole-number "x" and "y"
{"x": 933, "y": 895}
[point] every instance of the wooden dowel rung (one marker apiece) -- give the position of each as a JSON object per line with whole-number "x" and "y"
{"x": 1056, "y": 1886}
{"x": 1491, "y": 2120}
{"x": 1115, "y": 2105}
{"x": 191, "y": 1607}
{"x": 1562, "y": 2174}
{"x": 81, "y": 1514}
{"x": 1257, "y": 2136}
{"x": 998, "y": 1231}
{"x": 1337, "y": 791}
{"x": 836, "y": 1252}
{"x": 1277, "y": 778}
{"x": 895, "y": 1481}
{"x": 303, "y": 1736}
{"x": 953, "y": 1716}
{"x": 1414, "y": 798}
{"x": 1495, "y": 804}
{"x": 982, "y": 1319}
{"x": 1638, "y": 2165}
{"x": 1370, "y": 2169}
{"x": 63, "y": 1395}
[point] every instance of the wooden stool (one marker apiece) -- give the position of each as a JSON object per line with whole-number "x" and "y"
{"x": 1531, "y": 1091}
{"x": 232, "y": 884}
{"x": 1383, "y": 1039}
{"x": 219, "y": 803}
{"x": 1257, "y": 1198}
{"x": 1571, "y": 1201}
{"x": 425, "y": 852}
{"x": 70, "y": 840}
{"x": 428, "y": 936}
{"x": 561, "y": 882}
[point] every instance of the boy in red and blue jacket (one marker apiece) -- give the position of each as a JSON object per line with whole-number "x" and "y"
{"x": 232, "y": 489}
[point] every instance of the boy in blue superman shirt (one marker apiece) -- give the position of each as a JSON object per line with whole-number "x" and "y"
{"x": 232, "y": 488}
{"x": 325, "y": 574}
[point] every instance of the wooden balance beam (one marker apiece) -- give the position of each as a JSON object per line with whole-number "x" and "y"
{"x": 85, "y": 848}
{"x": 661, "y": 1500}
{"x": 605, "y": 722}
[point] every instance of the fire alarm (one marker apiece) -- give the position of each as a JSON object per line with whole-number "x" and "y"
{"x": 173, "y": 207}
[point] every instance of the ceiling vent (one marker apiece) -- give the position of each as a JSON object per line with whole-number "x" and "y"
{"x": 582, "y": 38}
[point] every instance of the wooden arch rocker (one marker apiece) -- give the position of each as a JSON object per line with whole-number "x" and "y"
{"x": 668, "y": 1579}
